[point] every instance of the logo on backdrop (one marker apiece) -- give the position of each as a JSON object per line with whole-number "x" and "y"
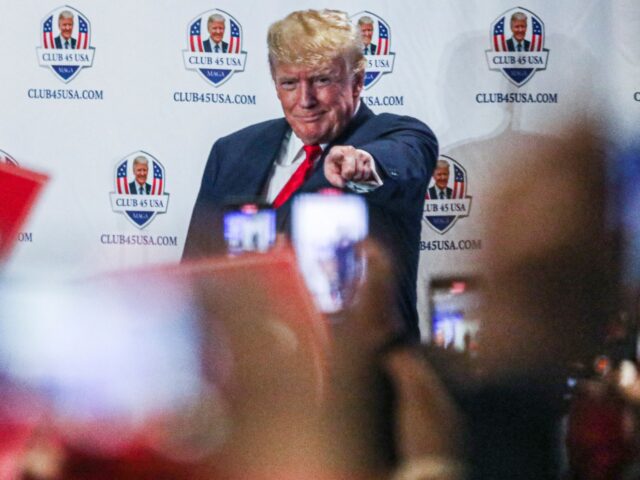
{"x": 446, "y": 200}
{"x": 214, "y": 40}
{"x": 517, "y": 45}
{"x": 8, "y": 159}
{"x": 65, "y": 43}
{"x": 139, "y": 188}
{"x": 376, "y": 39}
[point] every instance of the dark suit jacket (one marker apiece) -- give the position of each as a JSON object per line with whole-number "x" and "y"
{"x": 511, "y": 45}
{"x": 208, "y": 46}
{"x": 434, "y": 193}
{"x": 405, "y": 151}
{"x": 373, "y": 48}
{"x": 133, "y": 188}
{"x": 60, "y": 41}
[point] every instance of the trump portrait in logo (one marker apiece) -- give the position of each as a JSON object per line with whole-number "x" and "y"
{"x": 65, "y": 43}
{"x": 139, "y": 193}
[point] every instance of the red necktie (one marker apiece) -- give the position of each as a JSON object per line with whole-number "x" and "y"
{"x": 299, "y": 176}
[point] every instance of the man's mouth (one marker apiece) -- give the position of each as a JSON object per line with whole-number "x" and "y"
{"x": 309, "y": 118}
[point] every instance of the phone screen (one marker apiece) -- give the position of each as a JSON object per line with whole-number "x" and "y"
{"x": 249, "y": 227}
{"x": 326, "y": 229}
{"x": 455, "y": 313}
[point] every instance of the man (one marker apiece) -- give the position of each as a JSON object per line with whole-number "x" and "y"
{"x": 140, "y": 170}
{"x": 215, "y": 26}
{"x": 440, "y": 190}
{"x": 517, "y": 43}
{"x": 365, "y": 24}
{"x": 328, "y": 138}
{"x": 65, "y": 24}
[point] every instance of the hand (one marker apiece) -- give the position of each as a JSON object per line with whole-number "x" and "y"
{"x": 427, "y": 423}
{"x": 344, "y": 163}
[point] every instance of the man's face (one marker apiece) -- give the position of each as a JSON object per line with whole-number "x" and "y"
{"x": 519, "y": 29}
{"x": 317, "y": 101}
{"x": 441, "y": 177}
{"x": 216, "y": 30}
{"x": 140, "y": 170}
{"x": 366, "y": 30}
{"x": 66, "y": 27}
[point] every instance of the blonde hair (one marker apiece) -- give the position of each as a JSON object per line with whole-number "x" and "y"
{"x": 314, "y": 37}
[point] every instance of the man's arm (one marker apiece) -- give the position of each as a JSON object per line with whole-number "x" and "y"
{"x": 404, "y": 150}
{"x": 201, "y": 239}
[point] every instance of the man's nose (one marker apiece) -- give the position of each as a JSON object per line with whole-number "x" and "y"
{"x": 307, "y": 95}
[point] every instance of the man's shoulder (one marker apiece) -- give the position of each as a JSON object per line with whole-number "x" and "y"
{"x": 256, "y": 131}
{"x": 393, "y": 120}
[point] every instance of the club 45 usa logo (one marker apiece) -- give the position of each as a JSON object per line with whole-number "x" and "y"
{"x": 214, "y": 40}
{"x": 446, "y": 200}
{"x": 139, "y": 188}
{"x": 65, "y": 43}
{"x": 376, "y": 41}
{"x": 7, "y": 159}
{"x": 517, "y": 45}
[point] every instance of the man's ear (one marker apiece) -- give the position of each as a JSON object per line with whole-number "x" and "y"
{"x": 358, "y": 83}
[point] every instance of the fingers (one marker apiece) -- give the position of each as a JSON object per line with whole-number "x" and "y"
{"x": 345, "y": 163}
{"x": 427, "y": 421}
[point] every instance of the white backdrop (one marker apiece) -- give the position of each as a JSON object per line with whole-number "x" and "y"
{"x": 440, "y": 75}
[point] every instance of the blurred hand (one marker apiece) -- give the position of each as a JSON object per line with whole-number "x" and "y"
{"x": 426, "y": 421}
{"x": 385, "y": 402}
{"x": 344, "y": 163}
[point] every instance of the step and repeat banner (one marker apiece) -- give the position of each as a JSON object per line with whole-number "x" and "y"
{"x": 100, "y": 94}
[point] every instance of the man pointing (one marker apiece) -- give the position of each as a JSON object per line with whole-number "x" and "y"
{"x": 327, "y": 138}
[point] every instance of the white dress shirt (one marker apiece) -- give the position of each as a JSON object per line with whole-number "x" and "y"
{"x": 289, "y": 158}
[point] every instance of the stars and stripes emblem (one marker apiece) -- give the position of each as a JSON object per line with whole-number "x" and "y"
{"x": 47, "y": 33}
{"x": 537, "y": 38}
{"x": 121, "y": 179}
{"x": 234, "y": 40}
{"x": 83, "y": 34}
{"x": 195, "y": 40}
{"x": 537, "y": 35}
{"x": 442, "y": 210}
{"x": 157, "y": 186}
{"x": 458, "y": 182}
{"x": 383, "y": 39}
{"x": 499, "y": 43}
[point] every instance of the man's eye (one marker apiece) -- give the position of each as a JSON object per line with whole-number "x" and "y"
{"x": 323, "y": 80}
{"x": 287, "y": 84}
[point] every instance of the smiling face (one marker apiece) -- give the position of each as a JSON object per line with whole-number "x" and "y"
{"x": 66, "y": 27}
{"x": 216, "y": 30}
{"x": 140, "y": 170}
{"x": 519, "y": 29}
{"x": 317, "y": 101}
{"x": 366, "y": 30}
{"x": 441, "y": 177}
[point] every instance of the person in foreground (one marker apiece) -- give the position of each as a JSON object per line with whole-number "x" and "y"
{"x": 327, "y": 139}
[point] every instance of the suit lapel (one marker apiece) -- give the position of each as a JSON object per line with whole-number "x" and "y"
{"x": 260, "y": 159}
{"x": 318, "y": 181}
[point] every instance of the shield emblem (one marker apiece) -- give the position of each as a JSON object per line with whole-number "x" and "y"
{"x": 376, "y": 39}
{"x": 214, "y": 40}
{"x": 446, "y": 200}
{"x": 140, "y": 188}
{"x": 517, "y": 45}
{"x": 65, "y": 43}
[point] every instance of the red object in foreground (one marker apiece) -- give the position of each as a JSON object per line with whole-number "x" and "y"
{"x": 19, "y": 189}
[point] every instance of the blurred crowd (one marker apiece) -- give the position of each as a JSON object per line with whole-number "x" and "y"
{"x": 550, "y": 391}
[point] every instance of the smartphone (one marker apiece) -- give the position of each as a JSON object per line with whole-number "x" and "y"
{"x": 326, "y": 230}
{"x": 249, "y": 227}
{"x": 455, "y": 313}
